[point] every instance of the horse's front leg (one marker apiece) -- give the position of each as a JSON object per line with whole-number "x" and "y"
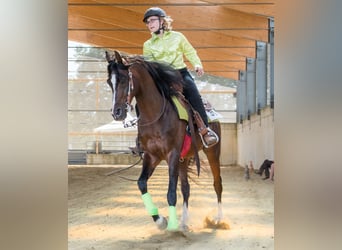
{"x": 146, "y": 172}
{"x": 173, "y": 163}
{"x": 185, "y": 187}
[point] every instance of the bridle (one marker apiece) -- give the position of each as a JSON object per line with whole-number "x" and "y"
{"x": 129, "y": 99}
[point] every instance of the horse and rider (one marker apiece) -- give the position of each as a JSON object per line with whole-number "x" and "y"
{"x": 153, "y": 80}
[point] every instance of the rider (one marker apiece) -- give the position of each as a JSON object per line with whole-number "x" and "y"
{"x": 170, "y": 46}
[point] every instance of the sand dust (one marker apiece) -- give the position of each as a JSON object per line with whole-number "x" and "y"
{"x": 107, "y": 212}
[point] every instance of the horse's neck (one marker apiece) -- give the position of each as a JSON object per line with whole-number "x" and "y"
{"x": 149, "y": 100}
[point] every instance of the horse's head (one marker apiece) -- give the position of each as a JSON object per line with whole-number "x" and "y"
{"x": 118, "y": 80}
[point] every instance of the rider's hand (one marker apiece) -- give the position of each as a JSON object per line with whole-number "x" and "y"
{"x": 199, "y": 71}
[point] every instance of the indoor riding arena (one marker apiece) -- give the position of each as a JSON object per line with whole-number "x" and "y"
{"x": 235, "y": 41}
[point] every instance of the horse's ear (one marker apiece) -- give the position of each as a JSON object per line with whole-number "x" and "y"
{"x": 118, "y": 57}
{"x": 108, "y": 57}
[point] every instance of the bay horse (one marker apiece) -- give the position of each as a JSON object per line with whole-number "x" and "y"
{"x": 160, "y": 130}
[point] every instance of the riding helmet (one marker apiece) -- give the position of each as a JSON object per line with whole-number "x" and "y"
{"x": 154, "y": 11}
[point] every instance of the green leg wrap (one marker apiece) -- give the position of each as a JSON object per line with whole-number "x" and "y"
{"x": 172, "y": 224}
{"x": 149, "y": 205}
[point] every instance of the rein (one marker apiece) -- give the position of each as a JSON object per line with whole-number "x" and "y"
{"x": 124, "y": 169}
{"x": 130, "y": 88}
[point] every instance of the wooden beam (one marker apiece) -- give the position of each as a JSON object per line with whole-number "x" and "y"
{"x": 216, "y": 39}
{"x": 214, "y": 17}
{"x": 224, "y": 66}
{"x": 147, "y": 3}
{"x": 267, "y": 10}
{"x": 219, "y": 54}
{"x": 245, "y": 52}
{"x": 109, "y": 16}
{"x": 219, "y": 66}
{"x": 162, "y": 3}
{"x": 226, "y": 74}
{"x": 195, "y": 17}
{"x": 111, "y": 38}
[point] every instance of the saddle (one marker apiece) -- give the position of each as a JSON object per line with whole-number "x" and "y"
{"x": 180, "y": 102}
{"x": 185, "y": 110}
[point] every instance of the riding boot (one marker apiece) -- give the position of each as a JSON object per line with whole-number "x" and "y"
{"x": 209, "y": 137}
{"x": 136, "y": 150}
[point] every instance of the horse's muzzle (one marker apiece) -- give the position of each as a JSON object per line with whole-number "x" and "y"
{"x": 119, "y": 114}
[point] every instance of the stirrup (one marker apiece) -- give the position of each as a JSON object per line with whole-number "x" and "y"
{"x": 213, "y": 133}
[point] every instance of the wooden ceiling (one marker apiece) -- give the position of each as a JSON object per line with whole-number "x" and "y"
{"x": 224, "y": 32}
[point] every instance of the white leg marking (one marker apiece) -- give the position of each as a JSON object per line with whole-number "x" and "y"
{"x": 185, "y": 218}
{"x": 219, "y": 212}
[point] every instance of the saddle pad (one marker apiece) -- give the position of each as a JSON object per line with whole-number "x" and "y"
{"x": 182, "y": 114}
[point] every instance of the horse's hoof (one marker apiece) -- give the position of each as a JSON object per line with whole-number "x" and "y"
{"x": 173, "y": 227}
{"x": 161, "y": 222}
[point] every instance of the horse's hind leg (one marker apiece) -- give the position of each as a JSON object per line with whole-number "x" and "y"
{"x": 146, "y": 172}
{"x": 185, "y": 187}
{"x": 213, "y": 155}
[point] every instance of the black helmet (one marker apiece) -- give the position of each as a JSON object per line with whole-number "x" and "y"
{"x": 154, "y": 11}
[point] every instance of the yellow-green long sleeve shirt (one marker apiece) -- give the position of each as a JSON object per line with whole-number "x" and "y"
{"x": 171, "y": 49}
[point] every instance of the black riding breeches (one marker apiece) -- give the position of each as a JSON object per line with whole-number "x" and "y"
{"x": 192, "y": 94}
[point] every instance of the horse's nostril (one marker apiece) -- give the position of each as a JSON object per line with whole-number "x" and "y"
{"x": 118, "y": 112}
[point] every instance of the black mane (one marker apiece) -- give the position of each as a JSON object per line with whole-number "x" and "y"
{"x": 167, "y": 79}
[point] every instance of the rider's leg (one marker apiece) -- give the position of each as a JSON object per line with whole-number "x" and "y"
{"x": 192, "y": 94}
